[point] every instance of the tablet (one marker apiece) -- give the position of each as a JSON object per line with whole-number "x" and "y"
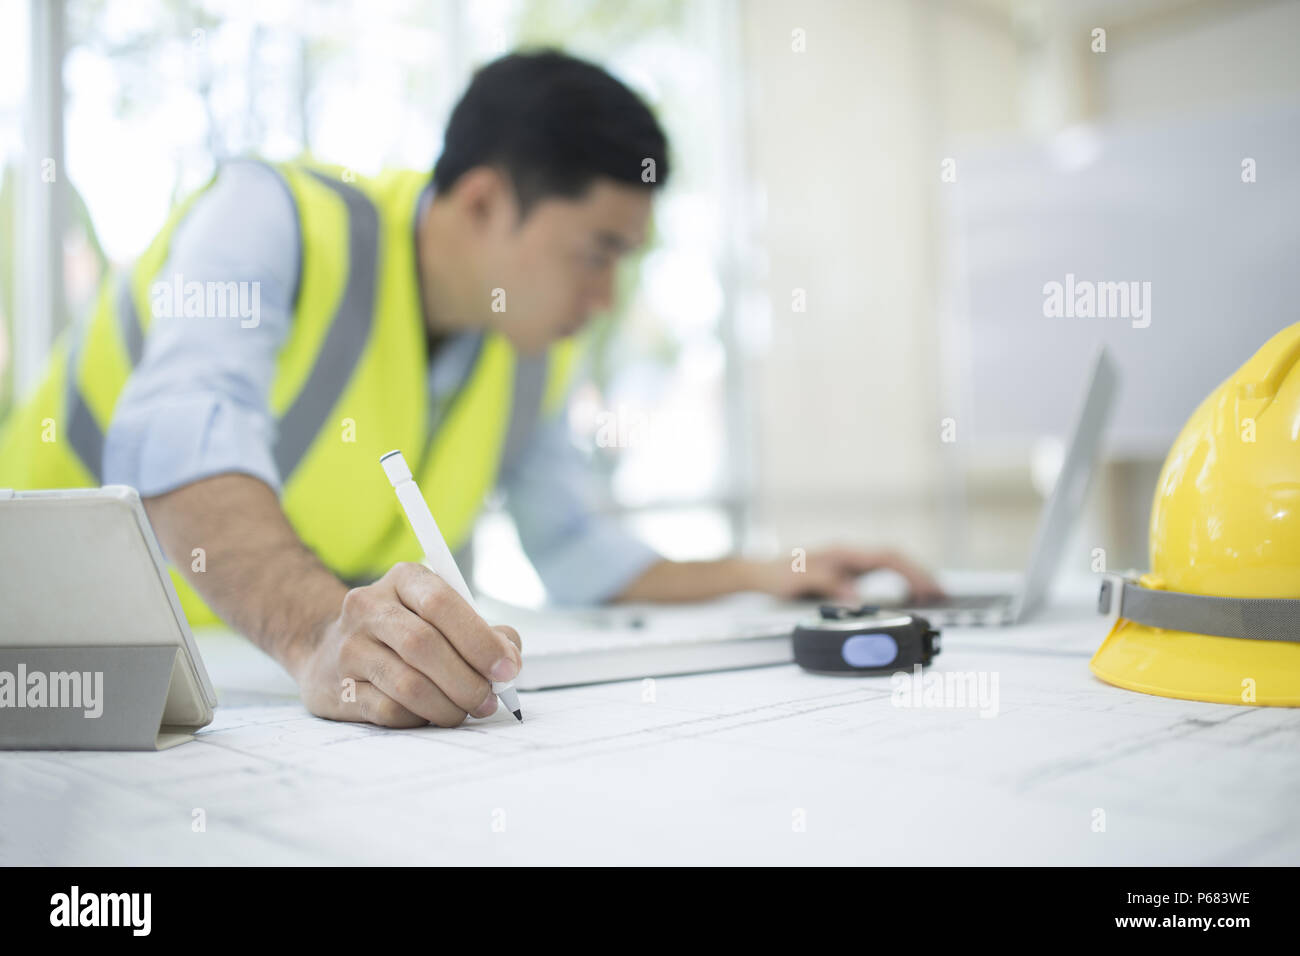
{"x": 83, "y": 583}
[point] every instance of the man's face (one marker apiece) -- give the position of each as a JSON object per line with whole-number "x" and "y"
{"x": 547, "y": 276}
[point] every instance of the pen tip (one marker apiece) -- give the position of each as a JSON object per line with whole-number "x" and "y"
{"x": 519, "y": 716}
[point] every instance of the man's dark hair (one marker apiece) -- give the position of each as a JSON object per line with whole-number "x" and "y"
{"x": 554, "y": 124}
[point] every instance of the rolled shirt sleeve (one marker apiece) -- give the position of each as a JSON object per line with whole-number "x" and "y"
{"x": 582, "y": 556}
{"x": 197, "y": 404}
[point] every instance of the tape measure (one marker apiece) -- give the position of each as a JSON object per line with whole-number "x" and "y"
{"x": 862, "y": 640}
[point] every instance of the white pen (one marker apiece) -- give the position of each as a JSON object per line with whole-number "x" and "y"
{"x": 436, "y": 551}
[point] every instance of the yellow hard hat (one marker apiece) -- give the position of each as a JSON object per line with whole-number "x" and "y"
{"x": 1218, "y": 617}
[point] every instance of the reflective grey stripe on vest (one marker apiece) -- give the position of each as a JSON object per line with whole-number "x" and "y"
{"x": 346, "y": 338}
{"x": 1259, "y": 619}
{"x": 129, "y": 322}
{"x": 525, "y": 407}
{"x": 83, "y": 431}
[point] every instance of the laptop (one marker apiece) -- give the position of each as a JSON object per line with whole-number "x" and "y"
{"x": 1059, "y": 514}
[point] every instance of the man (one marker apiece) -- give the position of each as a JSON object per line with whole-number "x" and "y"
{"x": 291, "y": 324}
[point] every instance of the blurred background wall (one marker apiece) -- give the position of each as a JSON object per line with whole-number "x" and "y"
{"x": 869, "y": 196}
{"x": 1050, "y": 142}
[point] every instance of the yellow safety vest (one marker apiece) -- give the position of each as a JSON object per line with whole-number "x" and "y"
{"x": 350, "y": 384}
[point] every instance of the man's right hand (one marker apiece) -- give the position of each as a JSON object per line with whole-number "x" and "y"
{"x": 404, "y": 652}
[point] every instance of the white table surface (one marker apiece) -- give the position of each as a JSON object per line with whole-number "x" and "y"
{"x": 718, "y": 768}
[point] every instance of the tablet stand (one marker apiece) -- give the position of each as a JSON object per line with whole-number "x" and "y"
{"x": 145, "y": 699}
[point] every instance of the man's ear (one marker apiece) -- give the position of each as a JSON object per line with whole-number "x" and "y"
{"x": 485, "y": 198}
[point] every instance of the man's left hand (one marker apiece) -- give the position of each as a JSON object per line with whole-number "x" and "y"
{"x": 833, "y": 573}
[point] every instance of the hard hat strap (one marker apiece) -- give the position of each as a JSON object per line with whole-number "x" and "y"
{"x": 1258, "y": 619}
